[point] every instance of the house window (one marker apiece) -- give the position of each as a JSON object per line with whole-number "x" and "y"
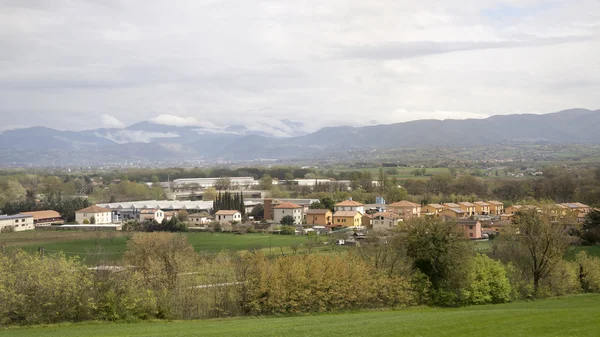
{"x": 470, "y": 226}
{"x": 470, "y": 235}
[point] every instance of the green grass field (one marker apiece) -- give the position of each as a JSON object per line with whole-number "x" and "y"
{"x": 567, "y": 316}
{"x": 95, "y": 246}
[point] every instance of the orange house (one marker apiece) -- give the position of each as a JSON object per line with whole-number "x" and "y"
{"x": 467, "y": 207}
{"x": 405, "y": 209}
{"x": 472, "y": 228}
{"x": 432, "y": 210}
{"x": 347, "y": 218}
{"x": 496, "y": 207}
{"x": 482, "y": 208}
{"x": 319, "y": 217}
{"x": 455, "y": 213}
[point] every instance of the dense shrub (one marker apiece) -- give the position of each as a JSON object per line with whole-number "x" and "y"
{"x": 588, "y": 272}
{"x": 487, "y": 282}
{"x": 313, "y": 283}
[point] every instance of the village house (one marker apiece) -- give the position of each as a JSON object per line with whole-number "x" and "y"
{"x": 513, "y": 209}
{"x": 472, "y": 228}
{"x": 228, "y": 216}
{"x": 385, "y": 220}
{"x": 45, "y": 218}
{"x": 499, "y": 226}
{"x": 199, "y": 219}
{"x": 454, "y": 213}
{"x": 432, "y": 210}
{"x": 319, "y": 217}
{"x": 577, "y": 207}
{"x": 347, "y": 218}
{"x": 451, "y": 205}
{"x": 94, "y": 215}
{"x": 482, "y": 208}
{"x": 151, "y": 215}
{"x": 467, "y": 207}
{"x": 496, "y": 207}
{"x": 17, "y": 222}
{"x": 405, "y": 209}
{"x": 349, "y": 205}
{"x": 288, "y": 208}
{"x": 367, "y": 220}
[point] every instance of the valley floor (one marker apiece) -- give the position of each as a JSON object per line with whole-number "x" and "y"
{"x": 567, "y": 316}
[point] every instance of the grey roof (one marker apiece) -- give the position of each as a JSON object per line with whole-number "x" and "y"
{"x": 15, "y": 216}
{"x": 165, "y": 205}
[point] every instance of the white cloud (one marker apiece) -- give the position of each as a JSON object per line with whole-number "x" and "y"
{"x": 137, "y": 136}
{"x": 304, "y": 60}
{"x": 111, "y": 122}
{"x": 173, "y": 120}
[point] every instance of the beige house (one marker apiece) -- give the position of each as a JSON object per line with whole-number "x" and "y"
{"x": 467, "y": 207}
{"x": 151, "y": 215}
{"x": 482, "y": 207}
{"x": 405, "y": 209}
{"x": 288, "y": 208}
{"x": 347, "y": 219}
{"x": 228, "y": 216}
{"x": 432, "y": 210}
{"x": 385, "y": 220}
{"x": 199, "y": 219}
{"x": 349, "y": 205}
{"x": 17, "y": 222}
{"x": 94, "y": 214}
{"x": 318, "y": 217}
{"x": 454, "y": 213}
{"x": 496, "y": 207}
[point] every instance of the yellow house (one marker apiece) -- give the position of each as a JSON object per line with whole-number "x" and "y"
{"x": 319, "y": 217}
{"x": 513, "y": 209}
{"x": 482, "y": 207}
{"x": 577, "y": 207}
{"x": 467, "y": 207}
{"x": 496, "y": 207}
{"x": 455, "y": 213}
{"x": 347, "y": 218}
{"x": 405, "y": 209}
{"x": 451, "y": 205}
{"x": 432, "y": 210}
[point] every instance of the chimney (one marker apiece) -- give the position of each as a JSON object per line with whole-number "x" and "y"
{"x": 268, "y": 210}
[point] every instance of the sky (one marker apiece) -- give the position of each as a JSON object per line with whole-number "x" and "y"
{"x": 84, "y": 64}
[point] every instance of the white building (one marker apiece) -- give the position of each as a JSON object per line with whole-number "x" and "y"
{"x": 288, "y": 208}
{"x": 151, "y": 214}
{"x": 94, "y": 214}
{"x": 350, "y": 205}
{"x": 202, "y": 183}
{"x": 227, "y": 216}
{"x": 17, "y": 222}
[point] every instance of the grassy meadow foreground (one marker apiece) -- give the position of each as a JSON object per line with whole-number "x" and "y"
{"x": 568, "y": 316}
{"x": 92, "y": 247}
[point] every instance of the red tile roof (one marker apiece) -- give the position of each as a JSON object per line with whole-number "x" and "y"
{"x": 349, "y": 203}
{"x": 404, "y": 203}
{"x": 93, "y": 209}
{"x": 287, "y": 205}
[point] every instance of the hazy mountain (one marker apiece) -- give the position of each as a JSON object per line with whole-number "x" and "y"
{"x": 151, "y": 142}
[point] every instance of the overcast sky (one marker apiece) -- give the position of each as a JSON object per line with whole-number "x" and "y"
{"x": 74, "y": 64}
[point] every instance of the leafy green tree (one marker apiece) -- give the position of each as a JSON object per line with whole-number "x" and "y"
{"x": 258, "y": 212}
{"x": 590, "y": 230}
{"x": 288, "y": 230}
{"x": 439, "y": 250}
{"x": 287, "y": 220}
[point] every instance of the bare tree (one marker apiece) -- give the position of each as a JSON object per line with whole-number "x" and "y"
{"x": 535, "y": 243}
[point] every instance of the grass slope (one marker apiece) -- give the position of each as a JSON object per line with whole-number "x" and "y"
{"x": 568, "y": 316}
{"x": 89, "y": 246}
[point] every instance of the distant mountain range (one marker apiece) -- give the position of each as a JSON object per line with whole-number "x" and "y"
{"x": 151, "y": 143}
